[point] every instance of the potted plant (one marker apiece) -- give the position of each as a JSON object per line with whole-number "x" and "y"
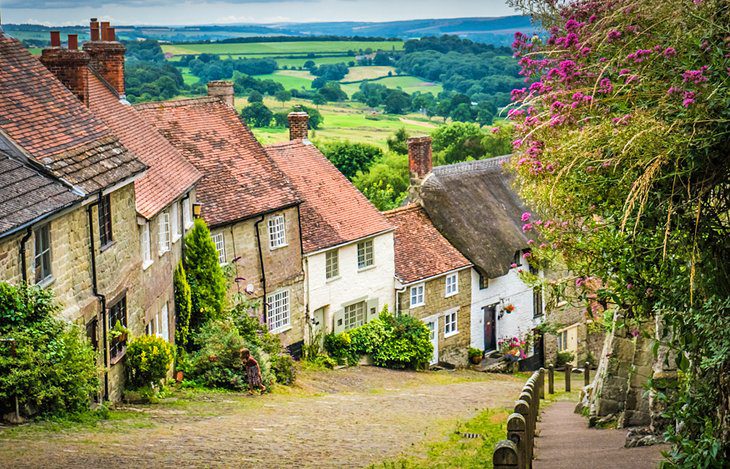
{"x": 509, "y": 308}
{"x": 119, "y": 332}
{"x": 475, "y": 355}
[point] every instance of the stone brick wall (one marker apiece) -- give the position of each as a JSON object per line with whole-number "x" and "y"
{"x": 419, "y": 157}
{"x": 107, "y": 58}
{"x": 298, "y": 125}
{"x": 71, "y": 68}
{"x": 453, "y": 349}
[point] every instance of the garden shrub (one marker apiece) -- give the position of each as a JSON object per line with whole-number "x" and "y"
{"x": 148, "y": 360}
{"x": 183, "y": 306}
{"x": 52, "y": 370}
{"x": 563, "y": 358}
{"x": 208, "y": 284}
{"x": 339, "y": 347}
{"x": 217, "y": 361}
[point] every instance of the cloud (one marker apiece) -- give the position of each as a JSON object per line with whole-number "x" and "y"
{"x": 64, "y": 4}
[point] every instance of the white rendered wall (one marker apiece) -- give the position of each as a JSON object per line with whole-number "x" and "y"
{"x": 375, "y": 283}
{"x": 504, "y": 290}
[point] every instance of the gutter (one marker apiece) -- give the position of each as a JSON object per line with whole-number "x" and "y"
{"x": 102, "y": 298}
{"x": 23, "y": 262}
{"x": 261, "y": 262}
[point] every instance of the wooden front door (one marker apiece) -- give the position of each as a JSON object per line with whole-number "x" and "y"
{"x": 490, "y": 327}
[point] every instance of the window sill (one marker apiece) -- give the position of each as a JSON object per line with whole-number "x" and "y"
{"x": 146, "y": 264}
{"x": 46, "y": 282}
{"x": 450, "y": 334}
{"x": 118, "y": 358}
{"x": 189, "y": 225}
{"x": 451, "y": 294}
{"x": 333, "y": 279}
{"x": 274, "y": 248}
{"x": 176, "y": 238}
{"x": 106, "y": 246}
{"x": 281, "y": 330}
{"x": 162, "y": 253}
{"x": 417, "y": 305}
{"x": 365, "y": 269}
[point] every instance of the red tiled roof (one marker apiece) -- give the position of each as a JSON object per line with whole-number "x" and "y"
{"x": 44, "y": 118}
{"x": 334, "y": 211}
{"x": 239, "y": 179}
{"x": 169, "y": 174}
{"x": 420, "y": 250}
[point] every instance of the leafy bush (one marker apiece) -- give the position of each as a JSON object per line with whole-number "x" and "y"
{"x": 148, "y": 360}
{"x": 51, "y": 369}
{"x": 563, "y": 358}
{"x": 282, "y": 367}
{"x": 475, "y": 352}
{"x": 204, "y": 274}
{"x": 217, "y": 362}
{"x": 183, "y": 306}
{"x": 339, "y": 347}
{"x": 351, "y": 157}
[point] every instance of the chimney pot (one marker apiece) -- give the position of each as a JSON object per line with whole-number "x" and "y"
{"x": 111, "y": 34}
{"x": 73, "y": 41}
{"x": 104, "y": 30}
{"x": 55, "y": 38}
{"x": 298, "y": 125}
{"x": 223, "y": 90}
{"x": 107, "y": 56}
{"x": 419, "y": 157}
{"x": 95, "y": 31}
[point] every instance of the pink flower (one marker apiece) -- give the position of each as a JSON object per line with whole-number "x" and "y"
{"x": 495, "y": 130}
{"x": 605, "y": 86}
{"x": 613, "y": 35}
{"x": 669, "y": 52}
{"x": 513, "y": 265}
{"x": 689, "y": 98}
{"x": 527, "y": 227}
{"x": 530, "y": 242}
{"x": 517, "y": 143}
{"x": 695, "y": 76}
{"x": 527, "y": 255}
{"x": 526, "y": 216}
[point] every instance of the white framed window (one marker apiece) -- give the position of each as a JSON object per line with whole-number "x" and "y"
{"x": 365, "y": 257}
{"x": 163, "y": 324}
{"x": 220, "y": 246}
{"x": 145, "y": 246}
{"x": 452, "y": 284}
{"x": 418, "y": 295}
{"x": 175, "y": 214}
{"x": 277, "y": 232}
{"x": 450, "y": 324}
{"x": 187, "y": 213}
{"x": 355, "y": 315}
{"x": 332, "y": 264}
{"x": 42, "y": 257}
{"x": 562, "y": 340}
{"x": 164, "y": 233}
{"x": 279, "y": 315}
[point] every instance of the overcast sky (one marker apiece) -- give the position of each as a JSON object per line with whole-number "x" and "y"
{"x": 71, "y": 12}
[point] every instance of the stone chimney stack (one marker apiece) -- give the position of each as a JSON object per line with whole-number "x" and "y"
{"x": 69, "y": 65}
{"x": 298, "y": 125}
{"x": 223, "y": 90}
{"x": 107, "y": 54}
{"x": 419, "y": 157}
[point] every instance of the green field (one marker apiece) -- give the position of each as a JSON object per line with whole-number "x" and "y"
{"x": 408, "y": 84}
{"x": 290, "y": 79}
{"x": 368, "y": 73}
{"x": 280, "y": 48}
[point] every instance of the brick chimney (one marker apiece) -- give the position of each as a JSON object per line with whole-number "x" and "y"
{"x": 419, "y": 157}
{"x": 223, "y": 90}
{"x": 298, "y": 125}
{"x": 107, "y": 54}
{"x": 69, "y": 65}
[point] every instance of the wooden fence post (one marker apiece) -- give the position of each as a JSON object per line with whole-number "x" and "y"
{"x": 551, "y": 379}
{"x": 568, "y": 370}
{"x": 587, "y": 374}
{"x": 517, "y": 432}
{"x": 524, "y": 408}
{"x": 505, "y": 455}
{"x": 542, "y": 383}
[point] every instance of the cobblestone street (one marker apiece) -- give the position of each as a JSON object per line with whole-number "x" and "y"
{"x": 346, "y": 418}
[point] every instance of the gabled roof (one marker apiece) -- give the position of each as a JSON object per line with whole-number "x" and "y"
{"x": 239, "y": 179}
{"x": 474, "y": 206}
{"x": 169, "y": 174}
{"x": 333, "y": 212}
{"x": 27, "y": 193}
{"x": 421, "y": 251}
{"x": 45, "y": 119}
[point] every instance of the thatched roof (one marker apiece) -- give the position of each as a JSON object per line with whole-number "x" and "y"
{"x": 474, "y": 206}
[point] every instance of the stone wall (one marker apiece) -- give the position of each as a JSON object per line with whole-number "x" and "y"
{"x": 455, "y": 348}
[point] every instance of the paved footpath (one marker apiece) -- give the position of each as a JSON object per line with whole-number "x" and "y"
{"x": 566, "y": 442}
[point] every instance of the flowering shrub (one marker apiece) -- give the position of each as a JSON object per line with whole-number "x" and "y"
{"x": 513, "y": 346}
{"x": 148, "y": 359}
{"x": 621, "y": 146}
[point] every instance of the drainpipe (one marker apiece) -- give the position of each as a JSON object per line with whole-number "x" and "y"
{"x": 397, "y": 298}
{"x": 23, "y": 262}
{"x": 263, "y": 269}
{"x": 102, "y": 298}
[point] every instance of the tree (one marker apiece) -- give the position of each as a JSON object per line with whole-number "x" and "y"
{"x": 183, "y": 306}
{"x": 397, "y": 102}
{"x": 315, "y": 117}
{"x": 351, "y": 157}
{"x": 398, "y": 143}
{"x": 459, "y": 141}
{"x": 255, "y": 97}
{"x": 331, "y": 91}
{"x": 309, "y": 64}
{"x": 386, "y": 182}
{"x": 283, "y": 96}
{"x": 257, "y": 115}
{"x": 622, "y": 148}
{"x": 208, "y": 285}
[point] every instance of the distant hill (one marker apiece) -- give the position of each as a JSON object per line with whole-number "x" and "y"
{"x": 497, "y": 31}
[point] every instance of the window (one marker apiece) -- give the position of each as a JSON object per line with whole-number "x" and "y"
{"x": 162, "y": 323}
{"x": 105, "y": 220}
{"x": 355, "y": 315}
{"x": 175, "y": 214}
{"x": 332, "y": 264}
{"x": 562, "y": 340}
{"x": 42, "y": 253}
{"x": 279, "y": 317}
{"x": 517, "y": 260}
{"x": 164, "y": 233}
{"x": 145, "y": 246}
{"x": 364, "y": 254}
{"x": 118, "y": 312}
{"x": 450, "y": 325}
{"x": 483, "y": 282}
{"x": 417, "y": 295}
{"x": 537, "y": 302}
{"x": 452, "y": 284}
{"x": 277, "y": 232}
{"x": 187, "y": 213}
{"x": 220, "y": 247}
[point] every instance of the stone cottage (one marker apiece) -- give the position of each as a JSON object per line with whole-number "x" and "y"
{"x": 473, "y": 205}
{"x": 68, "y": 205}
{"x": 433, "y": 283}
{"x": 347, "y": 243}
{"x": 250, "y": 206}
